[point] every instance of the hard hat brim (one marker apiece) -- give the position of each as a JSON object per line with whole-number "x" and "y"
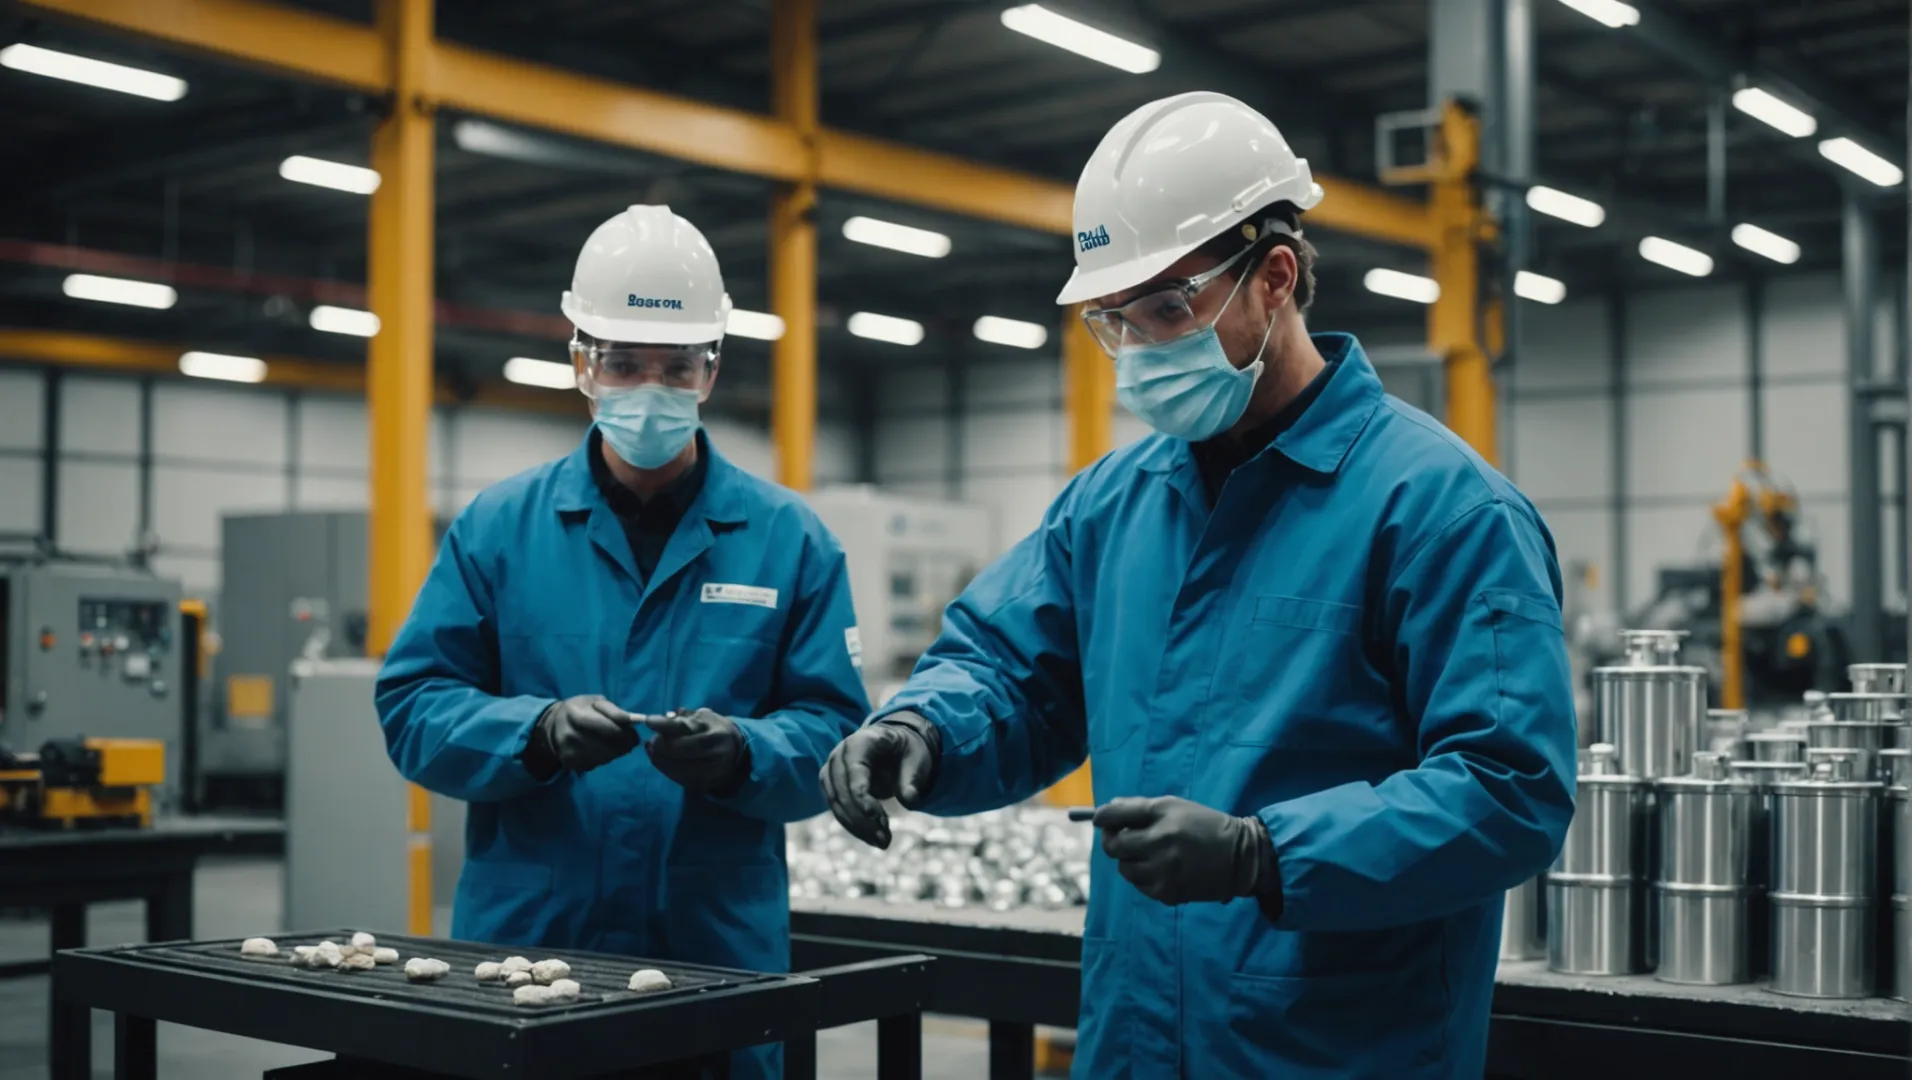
{"x": 641, "y": 331}
{"x": 1120, "y": 277}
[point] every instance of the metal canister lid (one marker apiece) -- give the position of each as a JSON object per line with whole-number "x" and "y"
{"x": 1726, "y": 714}
{"x": 1831, "y": 777}
{"x": 1876, "y": 678}
{"x": 1895, "y": 766}
{"x": 1766, "y": 773}
{"x": 1651, "y": 654}
{"x": 1848, "y": 706}
{"x": 1711, "y": 771}
{"x": 1600, "y": 766}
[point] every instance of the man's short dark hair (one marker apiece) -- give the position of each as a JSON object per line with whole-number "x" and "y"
{"x": 1231, "y": 242}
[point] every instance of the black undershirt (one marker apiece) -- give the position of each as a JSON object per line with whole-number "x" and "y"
{"x": 1220, "y": 456}
{"x": 648, "y": 523}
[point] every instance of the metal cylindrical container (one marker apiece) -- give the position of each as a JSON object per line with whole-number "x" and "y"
{"x": 1853, "y": 735}
{"x": 1780, "y": 745}
{"x": 1762, "y": 775}
{"x": 1867, "y": 708}
{"x": 1902, "y": 949}
{"x": 1725, "y": 732}
{"x": 1895, "y": 766}
{"x": 1902, "y": 736}
{"x": 1596, "y": 891}
{"x": 1864, "y": 762}
{"x": 1650, "y": 708}
{"x": 1876, "y": 678}
{"x": 1825, "y": 845}
{"x": 1705, "y": 865}
{"x": 1895, "y": 879}
{"x": 1523, "y": 924}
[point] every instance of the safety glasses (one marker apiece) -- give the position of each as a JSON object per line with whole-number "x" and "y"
{"x": 1161, "y": 316}
{"x": 614, "y": 366}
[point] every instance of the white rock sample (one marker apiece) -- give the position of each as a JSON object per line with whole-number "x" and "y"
{"x": 549, "y": 971}
{"x": 358, "y": 961}
{"x": 518, "y": 978}
{"x": 346, "y": 952}
{"x": 565, "y": 990}
{"x": 489, "y": 971}
{"x": 383, "y": 955}
{"x": 649, "y": 980}
{"x": 514, "y": 963}
{"x": 258, "y": 946}
{"x": 424, "y": 969}
{"x": 531, "y": 994}
{"x": 364, "y": 940}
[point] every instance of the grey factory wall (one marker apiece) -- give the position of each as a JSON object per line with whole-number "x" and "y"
{"x": 216, "y": 449}
{"x": 993, "y": 434}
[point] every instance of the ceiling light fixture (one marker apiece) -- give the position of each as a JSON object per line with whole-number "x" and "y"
{"x": 868, "y": 324}
{"x": 88, "y": 71}
{"x": 344, "y": 320}
{"x": 760, "y": 325}
{"x": 336, "y": 175}
{"x": 1555, "y": 203}
{"x": 207, "y": 365}
{"x": 1686, "y": 260}
{"x": 110, "y": 290}
{"x": 1764, "y": 242}
{"x": 1771, "y": 111}
{"x": 546, "y": 374}
{"x": 1014, "y": 333}
{"x": 1864, "y": 163}
{"x": 1539, "y": 288}
{"x": 1610, "y": 13}
{"x": 904, "y": 238}
{"x": 1055, "y": 28}
{"x": 1400, "y": 286}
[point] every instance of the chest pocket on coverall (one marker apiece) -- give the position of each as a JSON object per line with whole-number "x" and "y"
{"x": 1293, "y": 663}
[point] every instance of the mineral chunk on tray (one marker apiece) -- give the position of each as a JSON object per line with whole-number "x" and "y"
{"x": 258, "y": 946}
{"x": 650, "y": 980}
{"x": 425, "y": 969}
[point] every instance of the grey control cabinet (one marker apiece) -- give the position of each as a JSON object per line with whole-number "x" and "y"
{"x": 88, "y": 651}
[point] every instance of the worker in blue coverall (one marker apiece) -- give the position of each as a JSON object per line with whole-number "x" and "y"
{"x": 641, "y": 590}
{"x": 1309, "y": 639}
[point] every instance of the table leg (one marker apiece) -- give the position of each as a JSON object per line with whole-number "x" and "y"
{"x": 800, "y": 1057}
{"x": 69, "y": 1026}
{"x": 169, "y": 908}
{"x": 1012, "y": 1051}
{"x": 135, "y": 1048}
{"x": 899, "y": 1047}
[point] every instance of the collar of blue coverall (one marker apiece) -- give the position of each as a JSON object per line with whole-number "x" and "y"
{"x": 719, "y": 501}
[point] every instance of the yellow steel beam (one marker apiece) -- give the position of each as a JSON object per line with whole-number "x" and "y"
{"x": 1454, "y": 330}
{"x": 793, "y": 244}
{"x": 338, "y": 51}
{"x": 399, "y": 357}
{"x": 278, "y": 38}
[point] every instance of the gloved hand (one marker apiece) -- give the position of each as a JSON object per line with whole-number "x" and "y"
{"x": 580, "y": 734}
{"x": 1180, "y": 852}
{"x": 896, "y": 757}
{"x": 699, "y": 749}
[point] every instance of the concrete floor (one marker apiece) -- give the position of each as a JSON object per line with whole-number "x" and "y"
{"x": 243, "y": 896}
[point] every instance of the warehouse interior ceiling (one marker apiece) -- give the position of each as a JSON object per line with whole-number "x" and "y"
{"x": 195, "y": 182}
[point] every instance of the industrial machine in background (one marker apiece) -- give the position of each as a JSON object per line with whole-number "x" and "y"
{"x": 908, "y": 559}
{"x": 77, "y": 782}
{"x": 92, "y": 650}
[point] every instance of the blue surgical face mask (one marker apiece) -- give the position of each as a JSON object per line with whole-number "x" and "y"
{"x": 1186, "y": 387}
{"x": 648, "y": 425}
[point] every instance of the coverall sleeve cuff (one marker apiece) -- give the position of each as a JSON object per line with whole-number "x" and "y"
{"x": 755, "y": 777}
{"x": 1273, "y": 895}
{"x": 534, "y": 753}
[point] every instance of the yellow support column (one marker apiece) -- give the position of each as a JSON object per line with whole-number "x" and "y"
{"x": 1088, "y": 379}
{"x": 793, "y": 246}
{"x": 1454, "y": 322}
{"x": 399, "y": 382}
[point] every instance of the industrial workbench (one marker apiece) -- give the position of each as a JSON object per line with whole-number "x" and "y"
{"x": 64, "y": 870}
{"x": 1021, "y": 968}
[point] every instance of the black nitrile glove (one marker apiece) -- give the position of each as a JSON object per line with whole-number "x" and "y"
{"x": 1179, "y": 852}
{"x": 699, "y": 749}
{"x": 896, "y": 757}
{"x": 579, "y": 734}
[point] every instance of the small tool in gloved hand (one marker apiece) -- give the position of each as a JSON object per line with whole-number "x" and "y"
{"x": 700, "y": 749}
{"x": 1178, "y": 852}
{"x": 579, "y": 734}
{"x": 1082, "y": 813}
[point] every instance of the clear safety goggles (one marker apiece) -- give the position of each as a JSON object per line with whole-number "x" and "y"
{"x": 614, "y": 366}
{"x": 1175, "y": 310}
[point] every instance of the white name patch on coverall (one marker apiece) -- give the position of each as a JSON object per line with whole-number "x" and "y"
{"x": 753, "y": 595}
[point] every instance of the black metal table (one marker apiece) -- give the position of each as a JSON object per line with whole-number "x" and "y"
{"x": 460, "y": 1027}
{"x": 65, "y": 870}
{"x": 1022, "y": 968}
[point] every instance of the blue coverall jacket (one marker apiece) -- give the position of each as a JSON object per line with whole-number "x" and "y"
{"x": 535, "y": 597}
{"x": 1360, "y": 643}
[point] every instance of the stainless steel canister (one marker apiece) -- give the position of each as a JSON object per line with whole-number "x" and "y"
{"x": 1865, "y": 763}
{"x": 1895, "y": 766}
{"x": 1763, "y": 775}
{"x": 1902, "y": 950}
{"x": 1876, "y": 678}
{"x": 1523, "y": 924}
{"x": 1825, "y": 845}
{"x": 1781, "y": 745}
{"x": 1596, "y": 891}
{"x": 1705, "y": 866}
{"x": 1650, "y": 708}
{"x": 1851, "y": 735}
{"x": 1725, "y": 732}
{"x": 1870, "y": 708}
{"x": 1895, "y": 876}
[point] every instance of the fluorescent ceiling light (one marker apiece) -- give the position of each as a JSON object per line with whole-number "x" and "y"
{"x": 111, "y": 290}
{"x": 329, "y": 174}
{"x": 1761, "y": 242}
{"x": 1768, "y": 109}
{"x": 549, "y": 374}
{"x": 760, "y": 325}
{"x": 344, "y": 320}
{"x": 1866, "y": 164}
{"x": 868, "y": 324}
{"x": 1011, "y": 332}
{"x": 1401, "y": 286}
{"x": 888, "y": 234}
{"x": 1554, "y": 203}
{"x": 1611, "y": 13}
{"x": 1674, "y": 256}
{"x": 81, "y": 69}
{"x": 1539, "y": 288}
{"x": 1056, "y": 29}
{"x": 209, "y": 365}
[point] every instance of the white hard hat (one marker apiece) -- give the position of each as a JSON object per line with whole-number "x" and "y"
{"x": 648, "y": 277}
{"x": 1169, "y": 177}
